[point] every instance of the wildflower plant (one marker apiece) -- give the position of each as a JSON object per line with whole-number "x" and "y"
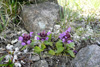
{"x": 65, "y": 36}
{"x": 26, "y": 39}
{"x": 63, "y": 45}
{"x": 45, "y": 39}
{"x": 43, "y": 36}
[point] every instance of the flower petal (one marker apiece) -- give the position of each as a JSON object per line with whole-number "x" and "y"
{"x": 65, "y": 37}
{"x": 63, "y": 40}
{"x": 38, "y": 38}
{"x": 31, "y": 34}
{"x": 38, "y": 33}
{"x": 48, "y": 33}
{"x": 42, "y": 39}
{"x": 69, "y": 41}
{"x": 75, "y": 51}
{"x": 23, "y": 34}
{"x": 47, "y": 38}
{"x": 62, "y": 35}
{"x": 68, "y": 30}
{"x": 28, "y": 42}
{"x": 20, "y": 38}
{"x": 23, "y": 43}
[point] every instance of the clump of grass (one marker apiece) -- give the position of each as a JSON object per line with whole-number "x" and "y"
{"x": 79, "y": 10}
{"x": 9, "y": 12}
{"x": 3, "y": 22}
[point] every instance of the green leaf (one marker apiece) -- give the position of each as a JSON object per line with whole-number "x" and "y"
{"x": 59, "y": 47}
{"x": 37, "y": 49}
{"x": 43, "y": 46}
{"x": 32, "y": 43}
{"x": 3, "y": 64}
{"x": 11, "y": 65}
{"x": 71, "y": 53}
{"x": 2, "y": 57}
{"x": 71, "y": 45}
{"x": 52, "y": 52}
{"x": 24, "y": 47}
{"x": 48, "y": 43}
{"x": 59, "y": 50}
{"x": 59, "y": 44}
{"x": 50, "y": 36}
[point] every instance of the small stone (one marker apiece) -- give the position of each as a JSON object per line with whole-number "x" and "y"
{"x": 22, "y": 62}
{"x": 17, "y": 64}
{"x": 41, "y": 63}
{"x": 9, "y": 47}
{"x": 18, "y": 33}
{"x": 14, "y": 41}
{"x": 26, "y": 50}
{"x": 98, "y": 42}
{"x": 56, "y": 26}
{"x": 35, "y": 58}
{"x": 18, "y": 45}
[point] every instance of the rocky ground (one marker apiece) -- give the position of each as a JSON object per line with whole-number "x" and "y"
{"x": 45, "y": 16}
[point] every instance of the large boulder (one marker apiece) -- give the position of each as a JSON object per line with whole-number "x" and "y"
{"x": 40, "y": 17}
{"x": 36, "y": 1}
{"x": 87, "y": 57}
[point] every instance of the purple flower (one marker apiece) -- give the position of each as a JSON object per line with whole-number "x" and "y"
{"x": 65, "y": 36}
{"x": 26, "y": 38}
{"x": 68, "y": 30}
{"x": 43, "y": 36}
{"x": 75, "y": 51}
{"x": 20, "y": 38}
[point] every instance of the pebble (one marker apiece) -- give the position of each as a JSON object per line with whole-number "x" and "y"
{"x": 14, "y": 41}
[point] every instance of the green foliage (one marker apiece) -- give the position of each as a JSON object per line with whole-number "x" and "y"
{"x": 50, "y": 36}
{"x": 59, "y": 50}
{"x": 59, "y": 47}
{"x": 24, "y": 47}
{"x": 48, "y": 43}
{"x": 1, "y": 23}
{"x": 37, "y": 49}
{"x": 71, "y": 45}
{"x": 52, "y": 52}
{"x": 9, "y": 8}
{"x": 9, "y": 12}
{"x": 55, "y": 48}
{"x": 71, "y": 53}
{"x": 9, "y": 64}
{"x": 43, "y": 46}
{"x": 2, "y": 57}
{"x": 32, "y": 43}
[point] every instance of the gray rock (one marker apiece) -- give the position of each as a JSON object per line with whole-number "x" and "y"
{"x": 61, "y": 61}
{"x": 35, "y": 58}
{"x": 58, "y": 61}
{"x": 18, "y": 44}
{"x": 87, "y": 57}
{"x": 40, "y": 17}
{"x": 36, "y": 1}
{"x": 41, "y": 63}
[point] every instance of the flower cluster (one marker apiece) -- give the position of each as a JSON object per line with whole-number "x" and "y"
{"x": 43, "y": 36}
{"x": 26, "y": 38}
{"x": 65, "y": 36}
